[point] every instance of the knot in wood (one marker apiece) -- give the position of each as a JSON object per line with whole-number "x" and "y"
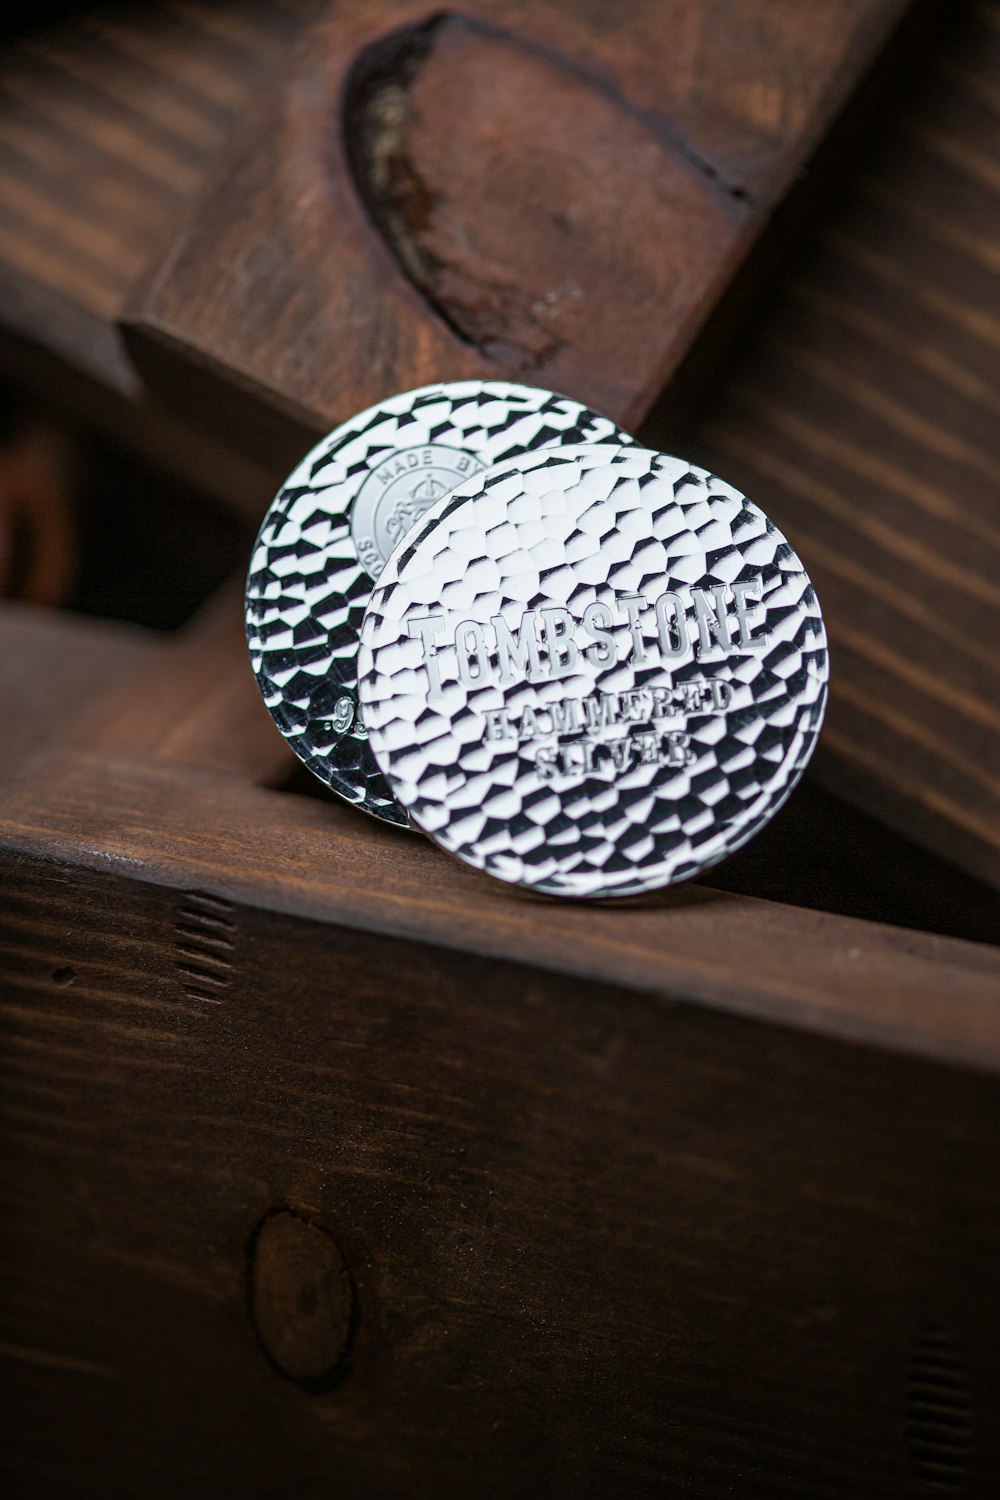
{"x": 302, "y": 1299}
{"x": 553, "y": 230}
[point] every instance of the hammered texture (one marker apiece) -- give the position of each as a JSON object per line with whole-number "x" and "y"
{"x": 313, "y": 566}
{"x": 466, "y": 735}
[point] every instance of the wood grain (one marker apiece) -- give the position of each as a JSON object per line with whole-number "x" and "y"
{"x": 557, "y": 234}
{"x": 901, "y": 509}
{"x": 615, "y": 194}
{"x": 864, "y": 418}
{"x": 108, "y": 126}
{"x": 211, "y": 832}
{"x": 301, "y": 1299}
{"x": 588, "y": 1200}
{"x": 336, "y": 1167}
{"x": 601, "y": 1243}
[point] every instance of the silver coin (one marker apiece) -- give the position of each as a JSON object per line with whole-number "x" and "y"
{"x": 330, "y": 530}
{"x": 593, "y": 671}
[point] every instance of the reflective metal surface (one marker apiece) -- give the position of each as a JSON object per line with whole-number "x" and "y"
{"x": 594, "y": 671}
{"x": 328, "y": 533}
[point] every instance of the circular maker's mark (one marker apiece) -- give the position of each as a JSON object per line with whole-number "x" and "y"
{"x": 398, "y": 492}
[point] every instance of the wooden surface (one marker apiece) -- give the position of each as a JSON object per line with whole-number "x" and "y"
{"x": 160, "y": 771}
{"x": 864, "y": 417}
{"x": 302, "y": 1299}
{"x": 108, "y": 125}
{"x": 38, "y": 524}
{"x": 598, "y": 1244}
{"x": 211, "y": 831}
{"x": 631, "y": 198}
{"x": 613, "y": 153}
{"x": 154, "y": 758}
{"x": 557, "y": 240}
{"x": 335, "y": 1167}
{"x": 314, "y": 1183}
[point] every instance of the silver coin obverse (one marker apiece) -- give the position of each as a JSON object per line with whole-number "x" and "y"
{"x": 593, "y": 671}
{"x": 332, "y": 527}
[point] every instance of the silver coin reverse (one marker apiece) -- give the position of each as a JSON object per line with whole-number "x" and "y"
{"x": 332, "y": 527}
{"x": 593, "y": 671}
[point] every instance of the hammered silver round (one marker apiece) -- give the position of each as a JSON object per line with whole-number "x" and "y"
{"x": 330, "y": 529}
{"x": 594, "y": 671}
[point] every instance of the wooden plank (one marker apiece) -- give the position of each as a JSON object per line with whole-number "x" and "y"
{"x": 608, "y": 179}
{"x": 869, "y": 323}
{"x": 183, "y": 828}
{"x": 594, "y": 1245}
{"x": 73, "y": 367}
{"x": 880, "y": 307}
{"x": 191, "y": 699}
{"x": 864, "y": 417}
{"x": 654, "y": 1245}
{"x": 108, "y": 125}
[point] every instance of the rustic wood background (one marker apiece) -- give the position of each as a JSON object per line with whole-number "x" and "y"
{"x": 327, "y": 1162}
{"x": 864, "y": 413}
{"x": 867, "y": 411}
